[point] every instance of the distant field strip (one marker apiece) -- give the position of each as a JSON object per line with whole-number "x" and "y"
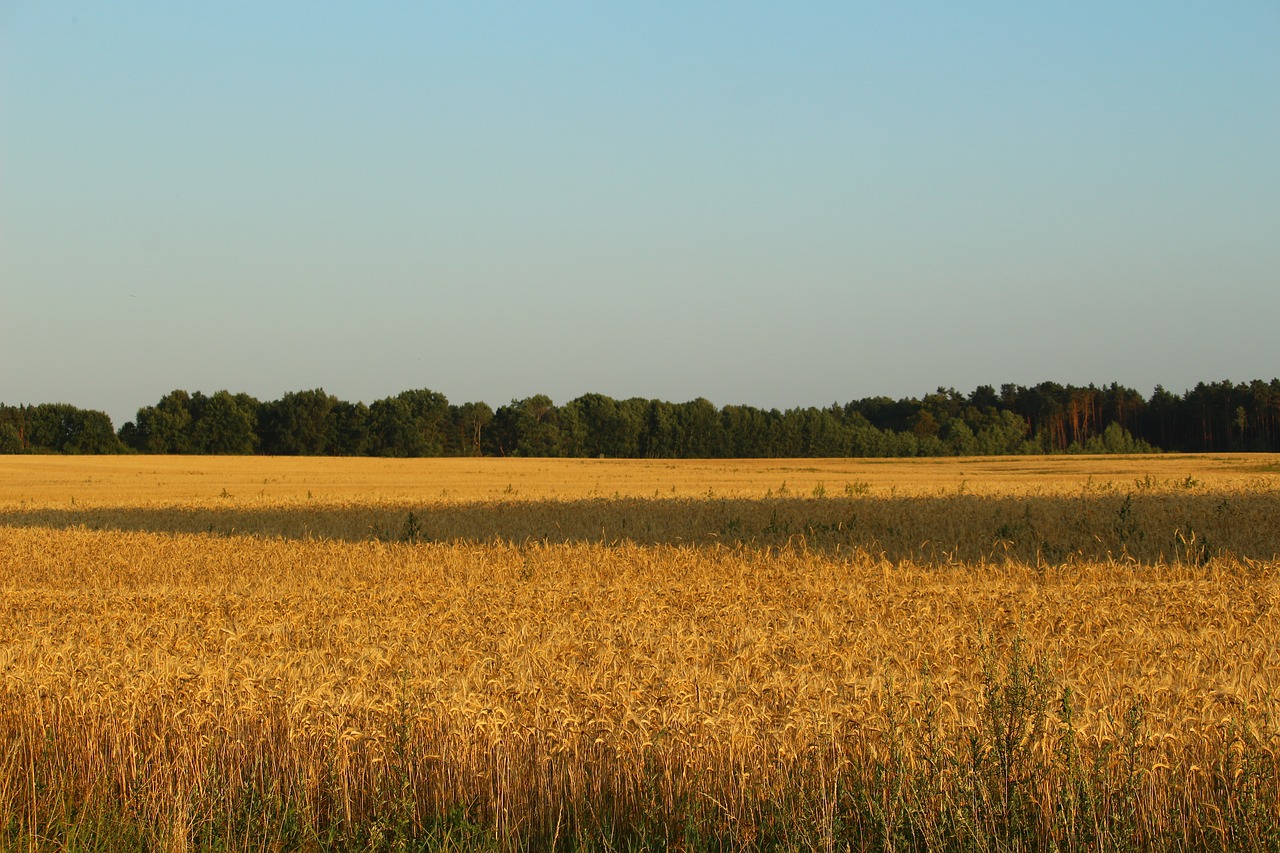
{"x": 128, "y": 480}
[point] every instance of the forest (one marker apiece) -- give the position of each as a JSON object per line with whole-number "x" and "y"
{"x": 1015, "y": 419}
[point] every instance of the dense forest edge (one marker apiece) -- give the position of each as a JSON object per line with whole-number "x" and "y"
{"x": 1044, "y": 418}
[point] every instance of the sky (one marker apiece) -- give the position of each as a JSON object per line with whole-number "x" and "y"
{"x": 772, "y": 204}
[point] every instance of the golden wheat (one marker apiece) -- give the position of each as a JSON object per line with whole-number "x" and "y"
{"x": 743, "y": 667}
{"x": 168, "y": 480}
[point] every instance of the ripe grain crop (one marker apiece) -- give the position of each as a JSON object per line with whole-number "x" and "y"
{"x": 116, "y": 481}
{"x": 1088, "y": 662}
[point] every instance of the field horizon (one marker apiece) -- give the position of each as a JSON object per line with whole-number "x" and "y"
{"x": 100, "y": 479}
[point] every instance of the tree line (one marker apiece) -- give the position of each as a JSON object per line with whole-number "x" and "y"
{"x": 1016, "y": 419}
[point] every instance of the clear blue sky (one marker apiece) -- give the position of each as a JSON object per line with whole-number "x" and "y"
{"x": 776, "y": 204}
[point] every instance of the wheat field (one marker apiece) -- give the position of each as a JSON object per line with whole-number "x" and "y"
{"x": 1038, "y": 653}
